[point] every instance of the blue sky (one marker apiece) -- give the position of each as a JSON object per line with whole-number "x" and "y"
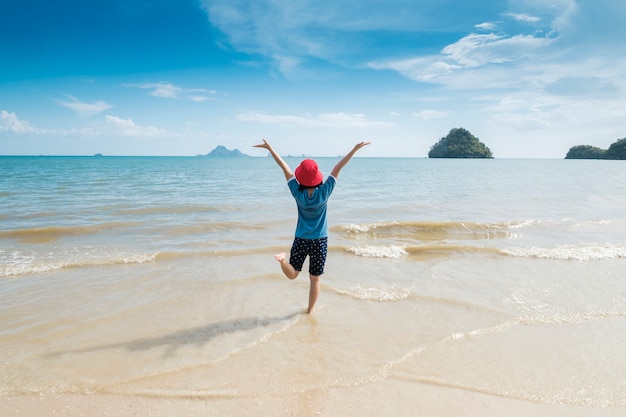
{"x": 529, "y": 78}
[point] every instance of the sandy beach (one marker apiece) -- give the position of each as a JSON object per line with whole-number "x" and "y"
{"x": 168, "y": 302}
{"x": 386, "y": 398}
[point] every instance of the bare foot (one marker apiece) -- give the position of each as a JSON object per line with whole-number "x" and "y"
{"x": 286, "y": 267}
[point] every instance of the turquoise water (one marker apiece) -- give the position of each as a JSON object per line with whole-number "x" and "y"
{"x": 149, "y": 275}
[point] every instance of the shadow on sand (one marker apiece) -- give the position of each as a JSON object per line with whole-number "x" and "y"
{"x": 196, "y": 336}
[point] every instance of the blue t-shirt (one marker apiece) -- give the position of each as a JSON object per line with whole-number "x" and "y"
{"x": 312, "y": 209}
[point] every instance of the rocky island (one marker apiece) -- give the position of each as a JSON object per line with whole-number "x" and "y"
{"x": 459, "y": 143}
{"x": 617, "y": 150}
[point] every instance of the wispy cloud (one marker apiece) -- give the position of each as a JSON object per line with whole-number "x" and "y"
{"x": 112, "y": 125}
{"x": 84, "y": 108}
{"x": 336, "y": 120}
{"x": 524, "y": 17}
{"x": 430, "y": 114}
{"x": 9, "y": 122}
{"x": 292, "y": 35}
{"x": 163, "y": 90}
{"x": 583, "y": 86}
{"x": 472, "y": 51}
{"x": 169, "y": 90}
{"x": 488, "y": 26}
{"x": 482, "y": 49}
{"x": 126, "y": 127}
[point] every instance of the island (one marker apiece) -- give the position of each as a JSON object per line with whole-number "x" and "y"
{"x": 617, "y": 150}
{"x": 459, "y": 143}
{"x": 223, "y": 152}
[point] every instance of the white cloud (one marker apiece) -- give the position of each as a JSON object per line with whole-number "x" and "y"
{"x": 340, "y": 32}
{"x": 293, "y": 34}
{"x": 583, "y": 86}
{"x": 164, "y": 90}
{"x": 278, "y": 31}
{"x": 169, "y": 90}
{"x": 565, "y": 20}
{"x": 430, "y": 114}
{"x": 489, "y": 26}
{"x": 478, "y": 50}
{"x": 198, "y": 98}
{"x": 85, "y": 108}
{"x": 524, "y": 17}
{"x": 425, "y": 69}
{"x": 112, "y": 126}
{"x": 336, "y": 120}
{"x": 126, "y": 127}
{"x": 472, "y": 51}
{"x": 11, "y": 123}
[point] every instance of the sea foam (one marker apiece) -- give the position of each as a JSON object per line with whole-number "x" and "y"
{"x": 578, "y": 252}
{"x": 376, "y": 294}
{"x": 390, "y": 251}
{"x": 17, "y": 263}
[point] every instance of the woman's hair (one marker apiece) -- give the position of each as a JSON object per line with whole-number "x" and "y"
{"x": 304, "y": 187}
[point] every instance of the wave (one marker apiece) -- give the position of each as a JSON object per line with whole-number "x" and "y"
{"x": 37, "y": 215}
{"x": 394, "y": 294}
{"x": 457, "y": 230}
{"x": 15, "y": 263}
{"x": 18, "y": 263}
{"x": 173, "y": 255}
{"x": 24, "y": 264}
{"x": 376, "y": 294}
{"x": 569, "y": 252}
{"x": 429, "y": 231}
{"x": 539, "y": 320}
{"x": 178, "y": 209}
{"x": 577, "y": 252}
{"x": 390, "y": 251}
{"x": 421, "y": 251}
{"x": 201, "y": 228}
{"x": 50, "y": 233}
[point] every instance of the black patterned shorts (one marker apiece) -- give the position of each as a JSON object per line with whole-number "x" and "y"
{"x": 315, "y": 249}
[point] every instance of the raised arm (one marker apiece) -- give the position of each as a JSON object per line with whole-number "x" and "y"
{"x": 346, "y": 159}
{"x": 281, "y": 163}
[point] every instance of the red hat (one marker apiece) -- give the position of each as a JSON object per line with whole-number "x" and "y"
{"x": 308, "y": 174}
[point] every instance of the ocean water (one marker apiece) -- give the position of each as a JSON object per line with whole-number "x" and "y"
{"x": 155, "y": 276}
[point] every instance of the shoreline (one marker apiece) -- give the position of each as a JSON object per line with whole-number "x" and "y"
{"x": 383, "y": 398}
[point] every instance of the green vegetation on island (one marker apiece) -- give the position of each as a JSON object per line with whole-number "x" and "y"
{"x": 585, "y": 152}
{"x": 459, "y": 144}
{"x": 617, "y": 150}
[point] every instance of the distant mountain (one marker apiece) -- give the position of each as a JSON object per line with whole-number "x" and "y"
{"x": 223, "y": 152}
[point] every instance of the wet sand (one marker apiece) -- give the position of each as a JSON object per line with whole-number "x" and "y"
{"x": 385, "y": 398}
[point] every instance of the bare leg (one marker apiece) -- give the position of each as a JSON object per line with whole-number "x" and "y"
{"x": 288, "y": 269}
{"x": 314, "y": 291}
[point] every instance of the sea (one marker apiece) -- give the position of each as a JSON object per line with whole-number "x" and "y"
{"x": 155, "y": 276}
